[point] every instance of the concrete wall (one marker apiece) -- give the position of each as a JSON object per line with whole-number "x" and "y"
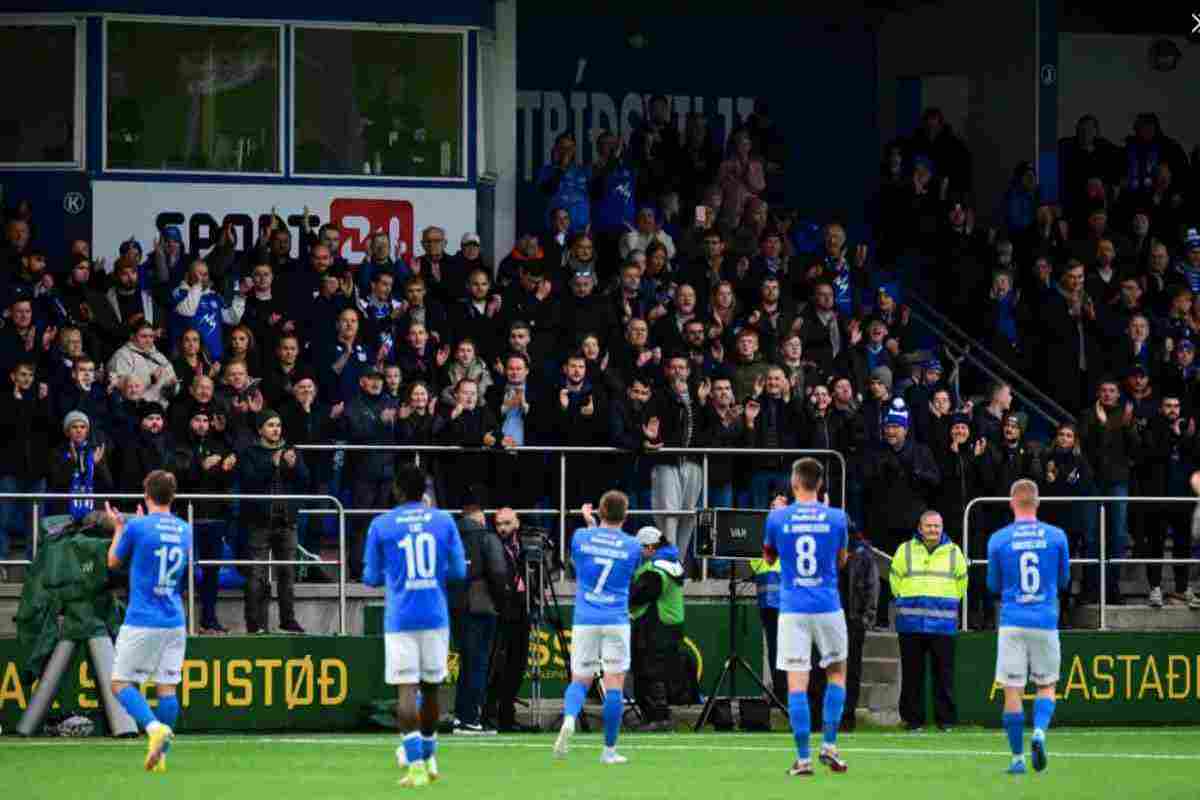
{"x": 995, "y": 48}
{"x": 1110, "y": 77}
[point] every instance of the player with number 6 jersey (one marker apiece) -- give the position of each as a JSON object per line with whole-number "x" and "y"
{"x": 152, "y": 639}
{"x": 1029, "y": 564}
{"x": 810, "y": 540}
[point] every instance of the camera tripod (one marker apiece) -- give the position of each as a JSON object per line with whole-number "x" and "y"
{"x": 536, "y": 577}
{"x": 732, "y": 664}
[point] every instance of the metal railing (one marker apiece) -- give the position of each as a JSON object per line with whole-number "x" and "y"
{"x": 562, "y": 512}
{"x": 36, "y": 497}
{"x": 1103, "y": 560}
{"x": 975, "y": 352}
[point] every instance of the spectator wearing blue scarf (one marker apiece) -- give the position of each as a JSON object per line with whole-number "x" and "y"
{"x": 78, "y": 466}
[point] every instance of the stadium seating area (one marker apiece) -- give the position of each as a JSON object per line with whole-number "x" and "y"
{"x": 669, "y": 301}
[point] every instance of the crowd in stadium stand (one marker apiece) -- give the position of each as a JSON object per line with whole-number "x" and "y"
{"x": 666, "y": 302}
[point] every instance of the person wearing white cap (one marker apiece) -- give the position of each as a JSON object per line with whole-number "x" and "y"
{"x": 656, "y": 608}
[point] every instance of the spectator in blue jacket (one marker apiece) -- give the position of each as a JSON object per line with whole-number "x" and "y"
{"x": 565, "y": 183}
{"x": 195, "y": 304}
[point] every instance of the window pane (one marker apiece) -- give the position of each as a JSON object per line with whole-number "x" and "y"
{"x": 193, "y": 97}
{"x": 379, "y": 103}
{"x": 37, "y": 117}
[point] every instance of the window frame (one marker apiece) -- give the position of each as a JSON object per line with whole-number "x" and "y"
{"x": 79, "y": 145}
{"x": 464, "y": 121}
{"x": 281, "y": 108}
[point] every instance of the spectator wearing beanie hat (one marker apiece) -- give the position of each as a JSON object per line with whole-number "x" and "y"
{"x": 901, "y": 478}
{"x": 271, "y": 467}
{"x": 877, "y": 399}
{"x": 78, "y": 466}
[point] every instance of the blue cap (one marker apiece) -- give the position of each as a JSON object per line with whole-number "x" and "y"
{"x": 959, "y": 418}
{"x": 933, "y": 363}
{"x": 171, "y": 234}
{"x": 1192, "y": 239}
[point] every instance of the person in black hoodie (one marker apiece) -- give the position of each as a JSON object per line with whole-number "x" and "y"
{"x": 471, "y": 424}
{"x": 474, "y": 608}
{"x": 271, "y": 466}
{"x": 204, "y": 465}
{"x": 901, "y": 478}
{"x": 25, "y": 435}
{"x": 368, "y": 419}
{"x": 306, "y": 420}
{"x": 153, "y": 447}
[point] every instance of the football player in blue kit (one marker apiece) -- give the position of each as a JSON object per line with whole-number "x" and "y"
{"x": 1029, "y": 563}
{"x": 605, "y": 559}
{"x": 810, "y": 541}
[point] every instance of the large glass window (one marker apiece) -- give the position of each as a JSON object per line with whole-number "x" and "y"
{"x": 378, "y": 103}
{"x": 38, "y": 117}
{"x": 193, "y": 97}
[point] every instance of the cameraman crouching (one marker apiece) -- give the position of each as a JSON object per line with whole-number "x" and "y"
{"x": 511, "y": 655}
{"x": 656, "y": 608}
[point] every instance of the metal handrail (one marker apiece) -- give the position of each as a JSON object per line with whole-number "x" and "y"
{"x": 565, "y": 450}
{"x": 189, "y": 497}
{"x": 1026, "y": 385}
{"x": 1103, "y": 560}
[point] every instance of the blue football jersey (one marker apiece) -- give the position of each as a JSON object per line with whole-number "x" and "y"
{"x": 414, "y": 551}
{"x": 155, "y": 548}
{"x": 605, "y": 560}
{"x": 808, "y": 538}
{"x": 1028, "y": 564}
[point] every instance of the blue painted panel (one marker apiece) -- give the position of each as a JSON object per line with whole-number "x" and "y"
{"x": 820, "y": 85}
{"x": 54, "y": 225}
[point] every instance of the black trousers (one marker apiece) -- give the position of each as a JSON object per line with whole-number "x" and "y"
{"x": 857, "y": 635}
{"x": 770, "y": 624}
{"x": 365, "y": 494}
{"x": 655, "y": 654}
{"x": 914, "y": 647}
{"x": 1153, "y": 529}
{"x": 510, "y": 658}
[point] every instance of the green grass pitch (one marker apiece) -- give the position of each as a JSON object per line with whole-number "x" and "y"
{"x": 968, "y": 764}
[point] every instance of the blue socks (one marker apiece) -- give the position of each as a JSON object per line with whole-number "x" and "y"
{"x": 168, "y": 710}
{"x": 1043, "y": 712}
{"x": 413, "y": 748}
{"x": 1014, "y": 725}
{"x": 133, "y": 702}
{"x": 613, "y": 707}
{"x": 831, "y": 716}
{"x": 573, "y": 701}
{"x": 801, "y": 722}
{"x": 428, "y": 746}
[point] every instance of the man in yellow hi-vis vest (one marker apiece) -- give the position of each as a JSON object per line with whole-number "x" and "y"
{"x": 929, "y": 582}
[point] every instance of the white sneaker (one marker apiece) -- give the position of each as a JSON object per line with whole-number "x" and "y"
{"x": 1194, "y": 600}
{"x": 1156, "y": 597}
{"x": 611, "y": 756}
{"x": 1190, "y": 595}
{"x": 564, "y": 737}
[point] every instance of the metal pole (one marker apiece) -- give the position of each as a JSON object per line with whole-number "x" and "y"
{"x": 341, "y": 567}
{"x": 967, "y": 556}
{"x": 1103, "y": 570}
{"x": 562, "y": 506}
{"x": 192, "y": 572}
{"x": 703, "y": 504}
{"x": 37, "y": 525}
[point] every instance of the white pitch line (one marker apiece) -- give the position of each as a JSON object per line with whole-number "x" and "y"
{"x": 632, "y": 746}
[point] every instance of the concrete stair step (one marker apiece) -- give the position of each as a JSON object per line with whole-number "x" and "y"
{"x": 882, "y": 670}
{"x": 881, "y": 645}
{"x": 879, "y": 695}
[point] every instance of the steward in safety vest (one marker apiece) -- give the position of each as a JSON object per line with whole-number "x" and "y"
{"x": 656, "y": 609}
{"x": 929, "y": 581}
